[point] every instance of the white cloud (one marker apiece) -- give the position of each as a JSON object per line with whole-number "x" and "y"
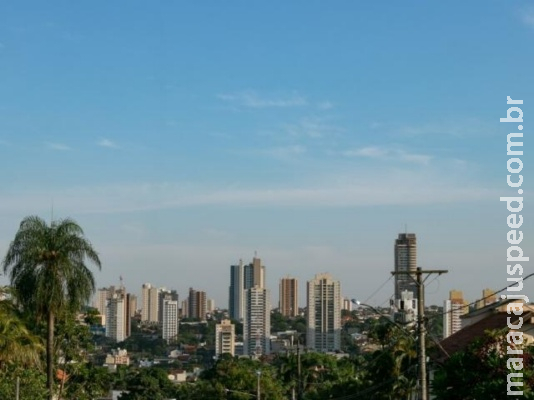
{"x": 383, "y": 153}
{"x": 253, "y": 100}
{"x": 107, "y": 143}
{"x": 58, "y": 146}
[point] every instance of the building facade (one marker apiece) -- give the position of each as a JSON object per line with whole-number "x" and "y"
{"x": 288, "y": 299}
{"x": 323, "y": 314}
{"x": 118, "y": 316}
{"x": 453, "y": 309}
{"x": 257, "y": 322}
{"x": 224, "y": 338}
{"x": 197, "y": 304}
{"x": 405, "y": 264}
{"x": 254, "y": 274}
{"x": 236, "y": 304}
{"x": 169, "y": 326}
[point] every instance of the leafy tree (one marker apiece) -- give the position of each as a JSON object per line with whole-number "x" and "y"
{"x": 18, "y": 346}
{"x": 47, "y": 268}
{"x": 236, "y": 379}
{"x": 32, "y": 383}
{"x": 480, "y": 372}
{"x": 148, "y": 383}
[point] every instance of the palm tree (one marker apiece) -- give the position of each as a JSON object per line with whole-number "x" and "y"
{"x": 46, "y": 266}
{"x": 17, "y": 344}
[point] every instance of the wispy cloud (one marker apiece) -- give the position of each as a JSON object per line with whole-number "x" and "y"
{"x": 383, "y": 153}
{"x": 459, "y": 129}
{"x": 325, "y": 105}
{"x": 285, "y": 152}
{"x": 107, "y": 143}
{"x": 58, "y": 146}
{"x": 392, "y": 187}
{"x": 527, "y": 16}
{"x": 312, "y": 127}
{"x": 254, "y": 100}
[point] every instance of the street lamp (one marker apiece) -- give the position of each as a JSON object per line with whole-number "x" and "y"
{"x": 258, "y": 395}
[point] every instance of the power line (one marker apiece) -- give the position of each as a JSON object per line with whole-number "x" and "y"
{"x": 476, "y": 301}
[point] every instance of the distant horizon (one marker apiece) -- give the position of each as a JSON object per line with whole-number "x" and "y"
{"x": 185, "y": 136}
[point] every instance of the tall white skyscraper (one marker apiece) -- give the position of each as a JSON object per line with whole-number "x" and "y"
{"x": 405, "y": 261}
{"x": 118, "y": 316}
{"x": 324, "y": 313}
{"x": 170, "y": 319}
{"x": 257, "y": 322}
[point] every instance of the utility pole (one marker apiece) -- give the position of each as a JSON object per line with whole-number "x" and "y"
{"x": 258, "y": 394}
{"x": 421, "y": 329}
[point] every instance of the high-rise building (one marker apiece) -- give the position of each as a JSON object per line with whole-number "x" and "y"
{"x": 236, "y": 296}
{"x": 243, "y": 277}
{"x": 185, "y": 308}
{"x": 288, "y": 300}
{"x": 453, "y": 309}
{"x": 488, "y": 297}
{"x": 210, "y": 305}
{"x": 118, "y": 316}
{"x": 100, "y": 301}
{"x": 224, "y": 338}
{"x": 405, "y": 264}
{"x": 133, "y": 305}
{"x": 323, "y": 313}
{"x": 150, "y": 298}
{"x": 145, "y": 298}
{"x": 163, "y": 295}
{"x": 257, "y": 322}
{"x": 346, "y": 304}
{"x": 197, "y": 304}
{"x": 254, "y": 274}
{"x": 169, "y": 318}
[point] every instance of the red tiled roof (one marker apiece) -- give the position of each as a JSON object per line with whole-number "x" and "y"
{"x": 461, "y": 339}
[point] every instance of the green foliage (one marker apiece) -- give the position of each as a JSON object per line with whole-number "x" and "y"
{"x": 32, "y": 383}
{"x": 47, "y": 268}
{"x": 148, "y": 383}
{"x": 237, "y": 378}
{"x": 18, "y": 346}
{"x": 480, "y": 372}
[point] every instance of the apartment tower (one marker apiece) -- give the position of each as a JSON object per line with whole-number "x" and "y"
{"x": 405, "y": 264}
{"x": 323, "y": 314}
{"x": 169, "y": 318}
{"x": 453, "y": 309}
{"x": 118, "y": 315}
{"x": 224, "y": 338}
{"x": 197, "y": 304}
{"x": 288, "y": 300}
{"x": 236, "y": 296}
{"x": 257, "y": 322}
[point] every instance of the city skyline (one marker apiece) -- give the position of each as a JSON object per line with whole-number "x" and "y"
{"x": 186, "y": 140}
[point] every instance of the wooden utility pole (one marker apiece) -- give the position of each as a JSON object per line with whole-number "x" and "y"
{"x": 421, "y": 329}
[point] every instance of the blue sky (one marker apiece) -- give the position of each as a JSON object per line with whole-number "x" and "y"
{"x": 185, "y": 136}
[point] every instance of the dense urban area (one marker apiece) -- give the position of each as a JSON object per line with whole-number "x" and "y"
{"x": 54, "y": 345}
